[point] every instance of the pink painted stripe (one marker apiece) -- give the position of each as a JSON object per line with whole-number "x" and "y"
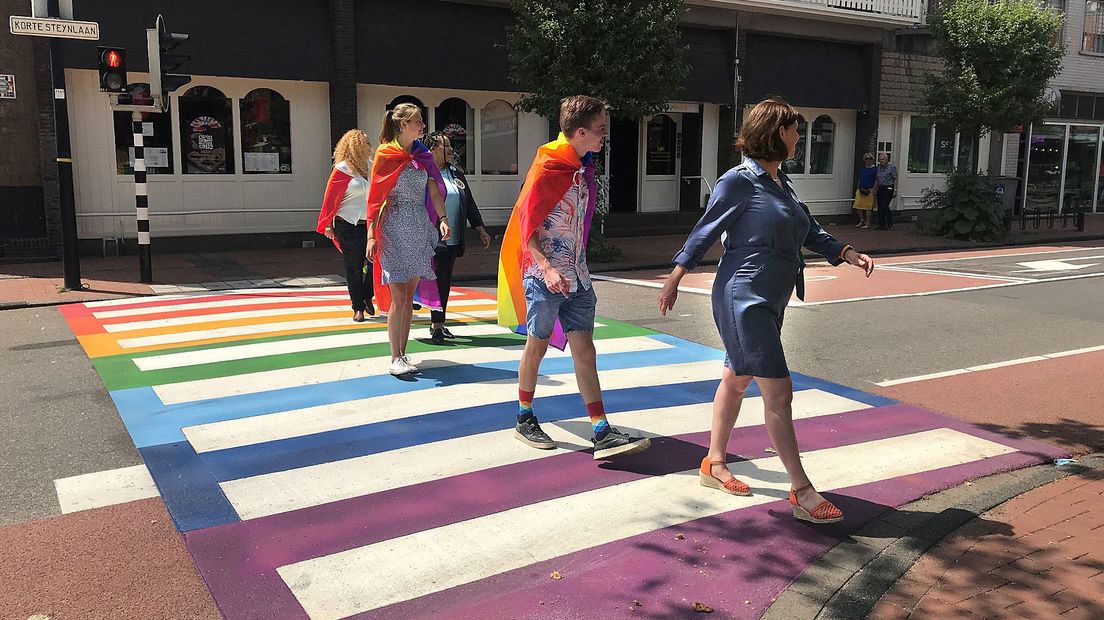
{"x": 238, "y": 560}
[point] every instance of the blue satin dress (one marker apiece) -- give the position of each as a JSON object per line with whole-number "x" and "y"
{"x": 762, "y": 228}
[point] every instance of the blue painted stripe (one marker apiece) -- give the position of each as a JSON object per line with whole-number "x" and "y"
{"x": 292, "y": 453}
{"x": 151, "y": 422}
{"x": 189, "y": 490}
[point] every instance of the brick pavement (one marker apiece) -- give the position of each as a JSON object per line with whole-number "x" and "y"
{"x": 1040, "y": 555}
{"x": 39, "y": 283}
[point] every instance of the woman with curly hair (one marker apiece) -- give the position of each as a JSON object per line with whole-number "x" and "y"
{"x": 343, "y": 218}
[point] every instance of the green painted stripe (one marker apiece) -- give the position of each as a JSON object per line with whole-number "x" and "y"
{"x": 120, "y": 373}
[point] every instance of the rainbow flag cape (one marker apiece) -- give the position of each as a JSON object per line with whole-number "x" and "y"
{"x": 386, "y": 167}
{"x": 549, "y": 178}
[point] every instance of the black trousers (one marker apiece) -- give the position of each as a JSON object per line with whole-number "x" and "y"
{"x": 885, "y": 214}
{"x": 445, "y": 261}
{"x": 354, "y": 244}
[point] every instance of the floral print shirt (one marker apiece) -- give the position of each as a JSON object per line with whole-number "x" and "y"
{"x": 561, "y": 237}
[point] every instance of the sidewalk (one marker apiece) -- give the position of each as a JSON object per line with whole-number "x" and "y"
{"x": 31, "y": 284}
{"x": 1027, "y": 543}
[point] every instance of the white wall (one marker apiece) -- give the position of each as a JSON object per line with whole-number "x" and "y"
{"x": 105, "y": 200}
{"x": 830, "y": 194}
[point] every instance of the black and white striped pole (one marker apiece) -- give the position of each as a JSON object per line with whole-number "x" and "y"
{"x": 141, "y": 201}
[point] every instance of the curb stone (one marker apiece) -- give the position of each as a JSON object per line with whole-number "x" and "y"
{"x": 850, "y": 579}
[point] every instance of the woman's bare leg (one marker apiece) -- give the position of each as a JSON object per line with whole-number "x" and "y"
{"x": 726, "y": 408}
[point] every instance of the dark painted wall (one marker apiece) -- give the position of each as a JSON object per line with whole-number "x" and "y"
{"x": 278, "y": 39}
{"x": 805, "y": 72}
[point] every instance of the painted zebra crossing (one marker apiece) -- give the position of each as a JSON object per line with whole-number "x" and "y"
{"x": 307, "y": 482}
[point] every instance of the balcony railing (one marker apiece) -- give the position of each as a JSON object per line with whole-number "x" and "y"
{"x": 898, "y": 11}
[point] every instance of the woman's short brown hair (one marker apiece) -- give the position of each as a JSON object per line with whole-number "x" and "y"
{"x": 759, "y": 137}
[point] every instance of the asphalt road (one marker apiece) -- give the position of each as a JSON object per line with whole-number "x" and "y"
{"x": 56, "y": 419}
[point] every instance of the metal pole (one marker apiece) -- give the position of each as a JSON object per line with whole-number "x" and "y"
{"x": 69, "y": 255}
{"x": 141, "y": 201}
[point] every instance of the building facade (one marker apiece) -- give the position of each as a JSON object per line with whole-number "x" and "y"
{"x": 243, "y": 153}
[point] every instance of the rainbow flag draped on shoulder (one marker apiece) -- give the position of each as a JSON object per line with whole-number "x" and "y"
{"x": 386, "y": 167}
{"x": 549, "y": 178}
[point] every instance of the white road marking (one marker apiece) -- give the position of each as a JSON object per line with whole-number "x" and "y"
{"x": 104, "y": 488}
{"x": 990, "y": 366}
{"x": 294, "y": 345}
{"x": 407, "y": 567}
{"x": 263, "y": 381}
{"x": 329, "y": 482}
{"x": 646, "y": 283}
{"x": 955, "y": 274}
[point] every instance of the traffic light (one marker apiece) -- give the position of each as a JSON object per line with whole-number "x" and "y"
{"x": 113, "y": 70}
{"x": 159, "y": 45}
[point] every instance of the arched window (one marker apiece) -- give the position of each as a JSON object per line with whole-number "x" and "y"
{"x": 266, "y": 132}
{"x": 456, "y": 119}
{"x": 662, "y": 135}
{"x": 822, "y": 142}
{"x": 156, "y": 136}
{"x": 206, "y": 132}
{"x": 797, "y": 164}
{"x": 498, "y": 139}
{"x": 411, "y": 99}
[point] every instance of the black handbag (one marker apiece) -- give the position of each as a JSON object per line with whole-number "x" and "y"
{"x": 864, "y": 192}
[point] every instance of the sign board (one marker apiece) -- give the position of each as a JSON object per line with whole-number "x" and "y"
{"x": 59, "y": 28}
{"x": 7, "y": 86}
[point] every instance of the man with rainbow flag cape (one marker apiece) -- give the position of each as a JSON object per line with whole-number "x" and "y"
{"x": 544, "y": 288}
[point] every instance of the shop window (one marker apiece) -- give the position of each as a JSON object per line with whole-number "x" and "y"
{"x": 1093, "y": 40}
{"x": 206, "y": 132}
{"x": 822, "y": 142}
{"x": 966, "y": 152}
{"x": 1082, "y": 154}
{"x": 266, "y": 133}
{"x": 662, "y": 132}
{"x": 919, "y": 156}
{"x": 1044, "y": 170}
{"x": 456, "y": 119}
{"x": 156, "y": 136}
{"x": 498, "y": 139}
{"x": 943, "y": 157}
{"x": 797, "y": 164}
{"x": 411, "y": 99}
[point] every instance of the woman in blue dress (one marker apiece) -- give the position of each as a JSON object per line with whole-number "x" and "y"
{"x": 763, "y": 227}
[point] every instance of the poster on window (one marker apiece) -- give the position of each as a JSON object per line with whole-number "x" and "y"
{"x": 155, "y": 156}
{"x": 207, "y": 146}
{"x": 7, "y": 86}
{"x": 262, "y": 162}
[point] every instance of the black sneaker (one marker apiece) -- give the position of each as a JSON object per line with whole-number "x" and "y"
{"x": 436, "y": 336}
{"x": 616, "y": 443}
{"x": 528, "y": 432}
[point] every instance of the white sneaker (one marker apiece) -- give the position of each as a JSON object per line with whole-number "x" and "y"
{"x": 406, "y": 358}
{"x": 400, "y": 366}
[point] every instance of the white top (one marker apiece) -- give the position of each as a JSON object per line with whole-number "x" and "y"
{"x": 354, "y": 207}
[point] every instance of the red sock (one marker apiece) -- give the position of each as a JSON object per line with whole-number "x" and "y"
{"x": 597, "y": 412}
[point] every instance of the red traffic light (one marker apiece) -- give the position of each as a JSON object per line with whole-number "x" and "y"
{"x": 114, "y": 59}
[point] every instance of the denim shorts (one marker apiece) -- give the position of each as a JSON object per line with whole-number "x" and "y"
{"x": 576, "y": 311}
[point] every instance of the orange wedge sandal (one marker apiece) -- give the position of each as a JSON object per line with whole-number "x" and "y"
{"x": 707, "y": 479}
{"x": 825, "y": 512}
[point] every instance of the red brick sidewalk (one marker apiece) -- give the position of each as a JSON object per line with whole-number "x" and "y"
{"x": 1040, "y": 555}
{"x": 104, "y": 278}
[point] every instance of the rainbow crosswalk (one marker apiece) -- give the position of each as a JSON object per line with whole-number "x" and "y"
{"x": 307, "y": 482}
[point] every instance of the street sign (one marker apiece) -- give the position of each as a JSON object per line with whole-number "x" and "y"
{"x": 59, "y": 28}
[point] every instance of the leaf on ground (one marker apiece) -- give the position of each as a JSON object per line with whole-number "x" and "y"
{"x": 556, "y": 575}
{"x": 701, "y": 608}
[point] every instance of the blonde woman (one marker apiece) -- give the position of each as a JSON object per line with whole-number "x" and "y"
{"x": 406, "y": 217}
{"x": 867, "y": 191}
{"x": 343, "y": 218}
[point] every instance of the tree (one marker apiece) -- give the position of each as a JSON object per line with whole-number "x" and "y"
{"x": 999, "y": 55}
{"x": 626, "y": 52}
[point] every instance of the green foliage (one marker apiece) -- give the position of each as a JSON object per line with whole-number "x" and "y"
{"x": 999, "y": 55}
{"x": 626, "y": 52}
{"x": 967, "y": 209}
